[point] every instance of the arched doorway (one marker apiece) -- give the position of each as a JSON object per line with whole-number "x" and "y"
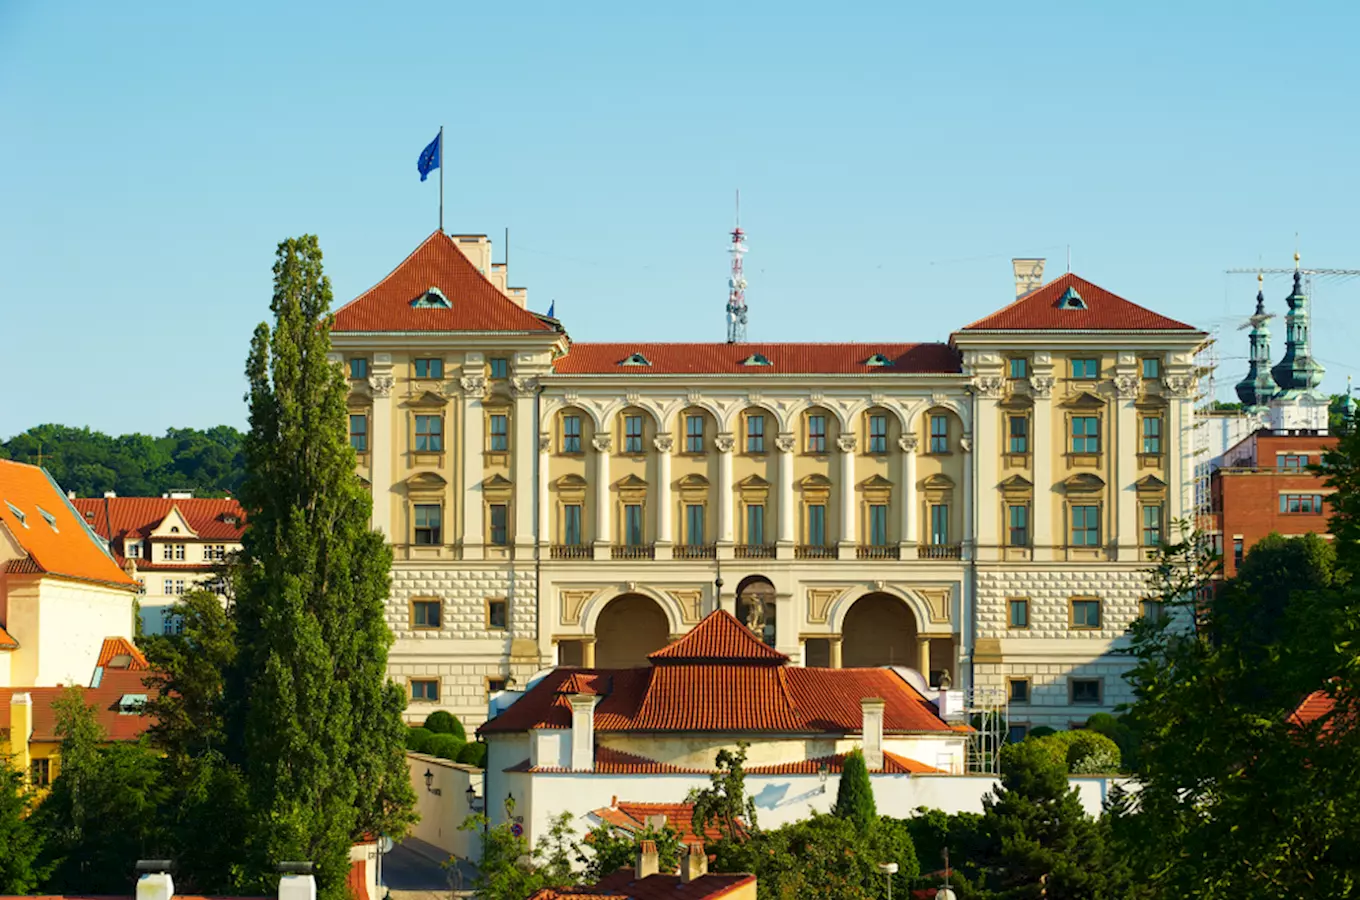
{"x": 756, "y": 607}
{"x": 628, "y": 629}
{"x": 879, "y": 630}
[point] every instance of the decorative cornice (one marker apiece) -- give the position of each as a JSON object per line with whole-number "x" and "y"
{"x": 381, "y": 385}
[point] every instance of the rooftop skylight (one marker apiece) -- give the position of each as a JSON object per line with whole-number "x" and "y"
{"x": 756, "y": 359}
{"x": 878, "y": 360}
{"x": 1071, "y": 300}
{"x": 48, "y": 517}
{"x": 636, "y": 359}
{"x": 23, "y": 520}
{"x": 432, "y": 299}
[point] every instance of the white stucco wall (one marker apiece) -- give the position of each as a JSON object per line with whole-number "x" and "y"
{"x": 61, "y": 626}
{"x": 441, "y": 814}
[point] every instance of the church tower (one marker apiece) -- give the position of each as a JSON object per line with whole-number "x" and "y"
{"x": 1258, "y": 388}
{"x": 1299, "y": 405}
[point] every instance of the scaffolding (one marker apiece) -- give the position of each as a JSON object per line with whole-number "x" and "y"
{"x": 1206, "y": 369}
{"x": 987, "y": 710}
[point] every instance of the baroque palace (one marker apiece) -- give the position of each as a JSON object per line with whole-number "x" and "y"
{"x": 982, "y": 511}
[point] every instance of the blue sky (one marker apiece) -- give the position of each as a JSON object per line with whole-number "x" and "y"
{"x": 891, "y": 158}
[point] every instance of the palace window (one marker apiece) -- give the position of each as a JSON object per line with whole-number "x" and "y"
{"x": 428, "y": 519}
{"x": 878, "y": 525}
{"x": 816, "y": 525}
{"x": 1019, "y": 367}
{"x": 1085, "y": 614}
{"x": 1152, "y": 525}
{"x": 632, "y": 434}
{"x": 571, "y": 434}
{"x": 755, "y": 524}
{"x": 425, "y": 613}
{"x": 878, "y": 434}
{"x": 1291, "y": 462}
{"x": 571, "y": 524}
{"x": 1017, "y": 612}
{"x": 1085, "y": 434}
{"x": 632, "y": 524}
{"x": 939, "y": 434}
{"x": 497, "y": 613}
{"x": 1085, "y": 690}
{"x": 1018, "y": 525}
{"x": 816, "y": 434}
{"x": 429, "y": 368}
{"x": 498, "y": 524}
{"x": 425, "y": 690}
{"x": 1018, "y": 426}
{"x": 1085, "y": 369}
{"x": 40, "y": 772}
{"x": 358, "y": 433}
{"x": 1152, "y": 434}
{"x": 429, "y": 434}
{"x": 500, "y": 433}
{"x": 694, "y": 524}
{"x": 694, "y": 434}
{"x": 358, "y": 367}
{"x": 1152, "y": 368}
{"x": 939, "y": 523}
{"x": 1018, "y": 690}
{"x": 500, "y": 369}
{"x": 755, "y": 434}
{"x": 1086, "y": 526}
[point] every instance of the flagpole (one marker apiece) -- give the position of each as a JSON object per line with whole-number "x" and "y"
{"x": 441, "y": 178}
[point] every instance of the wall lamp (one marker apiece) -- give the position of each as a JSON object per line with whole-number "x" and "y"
{"x": 429, "y": 784}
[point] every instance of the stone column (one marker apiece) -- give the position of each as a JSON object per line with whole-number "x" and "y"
{"x": 835, "y": 643}
{"x": 1125, "y": 446}
{"x": 664, "y": 443}
{"x": 524, "y": 448}
{"x": 604, "y": 513}
{"x": 588, "y": 652}
{"x": 907, "y": 443}
{"x": 1178, "y": 449}
{"x": 1043, "y": 453}
{"x": 724, "y": 443}
{"x": 382, "y": 435}
{"x": 545, "y": 522}
{"x": 923, "y": 656}
{"x": 846, "y": 443}
{"x": 785, "y": 535}
{"x": 474, "y": 443}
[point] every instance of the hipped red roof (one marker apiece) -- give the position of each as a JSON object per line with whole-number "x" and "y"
{"x": 785, "y": 359}
{"x": 722, "y": 681}
{"x": 632, "y": 817}
{"x": 1040, "y": 310}
{"x": 62, "y": 547}
{"x": 475, "y": 304}
{"x": 137, "y": 517}
{"x": 609, "y": 761}
{"x": 116, "y": 683}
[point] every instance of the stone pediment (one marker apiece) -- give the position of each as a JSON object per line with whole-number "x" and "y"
{"x": 875, "y": 482}
{"x": 1084, "y": 400}
{"x": 426, "y": 399}
{"x": 630, "y": 481}
{"x": 1150, "y": 484}
{"x": 570, "y": 483}
{"x": 1084, "y": 483}
{"x": 938, "y": 482}
{"x": 692, "y": 481}
{"x": 426, "y": 480}
{"x": 1016, "y": 484}
{"x": 1015, "y": 400}
{"x": 753, "y": 481}
{"x": 815, "y": 481}
{"x": 496, "y": 481}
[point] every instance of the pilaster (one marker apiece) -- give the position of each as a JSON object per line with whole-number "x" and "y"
{"x": 525, "y": 448}
{"x": 474, "y": 456}
{"x": 1041, "y": 516}
{"x": 381, "y": 435}
{"x": 907, "y": 443}
{"x": 846, "y": 444}
{"x": 604, "y": 513}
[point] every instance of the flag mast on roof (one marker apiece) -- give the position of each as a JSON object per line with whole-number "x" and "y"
{"x": 736, "y": 284}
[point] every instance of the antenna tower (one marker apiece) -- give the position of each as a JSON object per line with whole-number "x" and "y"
{"x": 736, "y": 284}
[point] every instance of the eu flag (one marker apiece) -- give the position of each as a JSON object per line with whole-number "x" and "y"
{"x": 429, "y": 157}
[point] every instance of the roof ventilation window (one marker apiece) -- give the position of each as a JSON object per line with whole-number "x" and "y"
{"x": 89, "y": 515}
{"x": 756, "y": 359}
{"x": 1071, "y": 300}
{"x": 432, "y": 299}
{"x": 878, "y": 360}
{"x": 23, "y": 520}
{"x": 229, "y": 519}
{"x": 48, "y": 517}
{"x": 636, "y": 359}
{"x": 130, "y": 704}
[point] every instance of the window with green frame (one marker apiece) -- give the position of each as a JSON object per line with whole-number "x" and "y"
{"x": 1086, "y": 434}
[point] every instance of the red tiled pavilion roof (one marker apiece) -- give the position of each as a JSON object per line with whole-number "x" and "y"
{"x": 785, "y": 359}
{"x": 136, "y": 517}
{"x": 475, "y": 304}
{"x": 720, "y": 637}
{"x": 1039, "y": 310}
{"x": 632, "y": 817}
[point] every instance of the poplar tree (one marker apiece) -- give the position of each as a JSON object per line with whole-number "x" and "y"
{"x": 313, "y": 721}
{"x": 855, "y": 796}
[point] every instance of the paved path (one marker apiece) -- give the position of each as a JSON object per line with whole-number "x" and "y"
{"x": 412, "y": 871}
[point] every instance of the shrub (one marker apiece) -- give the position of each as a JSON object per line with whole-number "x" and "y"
{"x": 1088, "y": 751}
{"x": 441, "y": 722}
{"x": 473, "y": 754}
{"x": 445, "y": 746}
{"x": 418, "y": 739}
{"x": 855, "y": 798}
{"x": 1040, "y": 731}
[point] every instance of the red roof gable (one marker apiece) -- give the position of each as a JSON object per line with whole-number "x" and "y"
{"x": 475, "y": 304}
{"x": 7, "y": 642}
{"x": 115, "y": 647}
{"x": 785, "y": 359}
{"x": 733, "y": 688}
{"x": 115, "y": 684}
{"x": 62, "y": 546}
{"x": 1041, "y": 310}
{"x": 136, "y": 517}
{"x": 632, "y": 817}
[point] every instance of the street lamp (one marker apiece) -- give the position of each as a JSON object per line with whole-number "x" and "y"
{"x": 429, "y": 782}
{"x": 472, "y": 798}
{"x": 888, "y": 869}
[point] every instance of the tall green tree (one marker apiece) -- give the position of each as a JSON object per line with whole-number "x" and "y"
{"x": 315, "y": 724}
{"x": 20, "y": 840}
{"x": 855, "y": 795}
{"x": 725, "y": 803}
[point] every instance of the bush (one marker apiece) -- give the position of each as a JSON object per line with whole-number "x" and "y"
{"x": 1088, "y": 751}
{"x": 1041, "y": 731}
{"x": 473, "y": 754}
{"x": 418, "y": 739}
{"x": 445, "y": 746}
{"x": 441, "y": 722}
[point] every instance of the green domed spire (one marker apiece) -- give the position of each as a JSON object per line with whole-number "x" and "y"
{"x": 1297, "y": 371}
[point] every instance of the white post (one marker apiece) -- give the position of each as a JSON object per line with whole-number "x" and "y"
{"x": 583, "y": 732}
{"x": 1125, "y": 447}
{"x": 871, "y": 709}
{"x": 1043, "y": 451}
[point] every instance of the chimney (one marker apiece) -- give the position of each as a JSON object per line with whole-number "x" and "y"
{"x": 20, "y": 729}
{"x": 108, "y": 494}
{"x": 872, "y": 729}
{"x": 1029, "y": 275}
{"x": 296, "y": 881}
{"x": 70, "y": 495}
{"x": 583, "y": 732}
{"x": 154, "y": 882}
{"x": 648, "y": 861}
{"x": 694, "y": 864}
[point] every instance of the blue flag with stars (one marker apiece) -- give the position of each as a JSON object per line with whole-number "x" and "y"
{"x": 430, "y": 157}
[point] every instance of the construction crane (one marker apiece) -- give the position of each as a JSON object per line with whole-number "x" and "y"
{"x": 1307, "y": 274}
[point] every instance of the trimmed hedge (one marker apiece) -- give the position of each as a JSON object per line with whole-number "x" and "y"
{"x": 1079, "y": 751}
{"x": 418, "y": 739}
{"x": 473, "y": 754}
{"x": 441, "y": 722}
{"x": 445, "y": 746}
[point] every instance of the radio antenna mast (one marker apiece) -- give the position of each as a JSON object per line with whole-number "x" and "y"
{"x": 736, "y": 284}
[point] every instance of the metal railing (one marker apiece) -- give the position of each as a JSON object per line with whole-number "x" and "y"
{"x": 753, "y": 551}
{"x": 939, "y": 551}
{"x": 572, "y": 551}
{"x": 814, "y": 551}
{"x": 878, "y": 551}
{"x": 633, "y": 551}
{"x": 694, "y": 551}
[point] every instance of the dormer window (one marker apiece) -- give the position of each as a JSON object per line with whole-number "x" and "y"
{"x": 48, "y": 517}
{"x": 17, "y": 514}
{"x": 133, "y": 550}
{"x": 1071, "y": 300}
{"x": 131, "y": 704}
{"x": 89, "y": 515}
{"x": 756, "y": 359}
{"x": 229, "y": 519}
{"x": 636, "y": 359}
{"x": 432, "y": 299}
{"x": 878, "y": 360}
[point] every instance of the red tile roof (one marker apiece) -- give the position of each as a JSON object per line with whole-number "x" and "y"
{"x": 893, "y": 764}
{"x": 718, "y": 638}
{"x": 785, "y": 359}
{"x": 632, "y": 818}
{"x": 136, "y": 517}
{"x": 475, "y": 303}
{"x": 6, "y": 641}
{"x": 118, "y": 646}
{"x": 65, "y": 547}
{"x": 744, "y": 690}
{"x": 622, "y": 885}
{"x": 1039, "y": 311}
{"x": 116, "y": 683}
{"x": 609, "y": 761}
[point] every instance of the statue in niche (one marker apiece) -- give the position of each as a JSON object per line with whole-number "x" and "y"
{"x": 755, "y": 616}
